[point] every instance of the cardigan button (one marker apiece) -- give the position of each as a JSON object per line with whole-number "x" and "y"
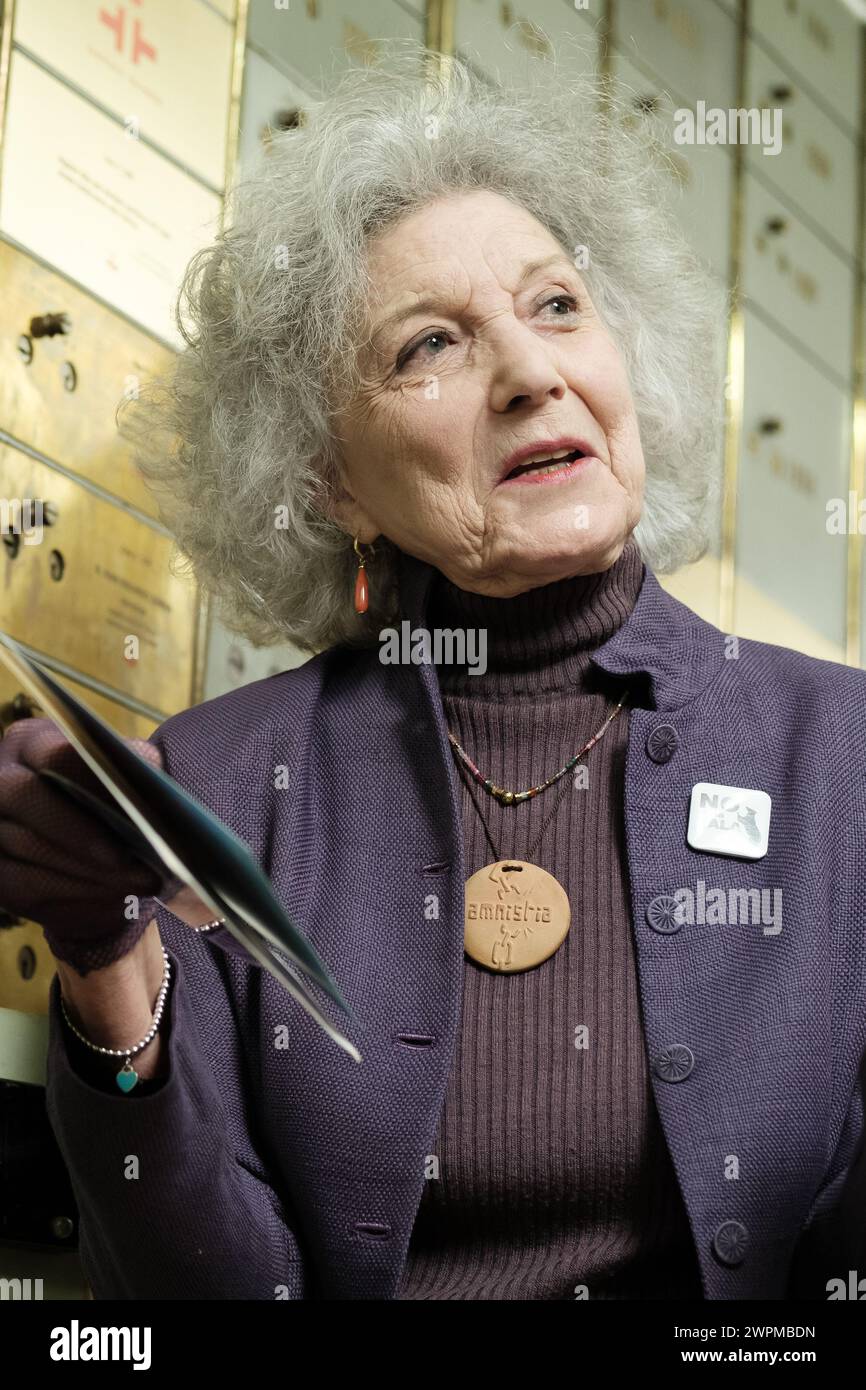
{"x": 662, "y": 743}
{"x": 664, "y": 914}
{"x": 675, "y": 1063}
{"x": 730, "y": 1242}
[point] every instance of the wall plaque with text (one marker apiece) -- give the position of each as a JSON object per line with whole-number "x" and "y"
{"x": 163, "y": 67}
{"x": 101, "y": 206}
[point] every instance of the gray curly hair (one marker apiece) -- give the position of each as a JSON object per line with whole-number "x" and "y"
{"x": 235, "y": 440}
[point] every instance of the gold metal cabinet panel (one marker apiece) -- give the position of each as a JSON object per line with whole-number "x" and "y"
{"x": 59, "y": 391}
{"x": 94, "y": 590}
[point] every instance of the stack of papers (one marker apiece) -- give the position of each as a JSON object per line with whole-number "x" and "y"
{"x": 171, "y": 831}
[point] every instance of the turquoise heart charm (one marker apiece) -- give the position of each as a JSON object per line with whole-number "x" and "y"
{"x": 126, "y": 1078}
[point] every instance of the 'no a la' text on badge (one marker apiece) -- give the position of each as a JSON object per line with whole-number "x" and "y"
{"x": 729, "y": 820}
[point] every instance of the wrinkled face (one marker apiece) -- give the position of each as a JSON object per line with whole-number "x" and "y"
{"x": 484, "y": 343}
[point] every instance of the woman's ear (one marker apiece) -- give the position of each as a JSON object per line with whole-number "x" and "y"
{"x": 340, "y": 505}
{"x": 351, "y": 517}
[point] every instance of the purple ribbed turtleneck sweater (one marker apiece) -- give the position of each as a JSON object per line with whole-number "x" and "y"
{"x": 550, "y": 1177}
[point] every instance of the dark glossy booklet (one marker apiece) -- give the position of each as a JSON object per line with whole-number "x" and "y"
{"x": 166, "y": 827}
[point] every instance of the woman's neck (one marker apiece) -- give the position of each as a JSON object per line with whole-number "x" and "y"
{"x": 540, "y": 640}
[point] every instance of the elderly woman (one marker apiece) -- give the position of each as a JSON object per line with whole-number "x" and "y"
{"x": 592, "y": 886}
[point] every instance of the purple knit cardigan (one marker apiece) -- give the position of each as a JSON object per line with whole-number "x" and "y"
{"x": 270, "y": 1165}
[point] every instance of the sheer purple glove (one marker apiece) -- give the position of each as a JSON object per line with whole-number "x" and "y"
{"x": 58, "y": 865}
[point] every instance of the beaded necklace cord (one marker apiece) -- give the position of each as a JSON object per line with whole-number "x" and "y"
{"x": 516, "y": 914}
{"x": 510, "y": 798}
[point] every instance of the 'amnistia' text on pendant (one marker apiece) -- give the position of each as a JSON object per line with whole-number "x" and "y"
{"x": 517, "y": 915}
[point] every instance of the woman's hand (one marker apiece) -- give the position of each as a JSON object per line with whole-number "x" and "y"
{"x": 58, "y": 865}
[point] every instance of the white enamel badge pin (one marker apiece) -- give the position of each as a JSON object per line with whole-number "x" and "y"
{"x": 729, "y": 820}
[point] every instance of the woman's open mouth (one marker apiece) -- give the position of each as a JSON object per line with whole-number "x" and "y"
{"x": 547, "y": 470}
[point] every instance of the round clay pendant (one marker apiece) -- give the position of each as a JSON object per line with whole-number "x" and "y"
{"x": 516, "y": 915}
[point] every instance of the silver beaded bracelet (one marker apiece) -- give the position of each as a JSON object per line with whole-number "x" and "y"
{"x": 127, "y": 1077}
{"x": 209, "y": 926}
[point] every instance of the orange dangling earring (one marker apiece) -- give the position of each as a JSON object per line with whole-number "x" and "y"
{"x": 362, "y": 587}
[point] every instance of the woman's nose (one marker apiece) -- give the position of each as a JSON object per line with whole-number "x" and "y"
{"x": 524, "y": 370}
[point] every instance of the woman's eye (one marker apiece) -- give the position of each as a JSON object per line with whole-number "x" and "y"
{"x": 411, "y": 351}
{"x": 569, "y": 299}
